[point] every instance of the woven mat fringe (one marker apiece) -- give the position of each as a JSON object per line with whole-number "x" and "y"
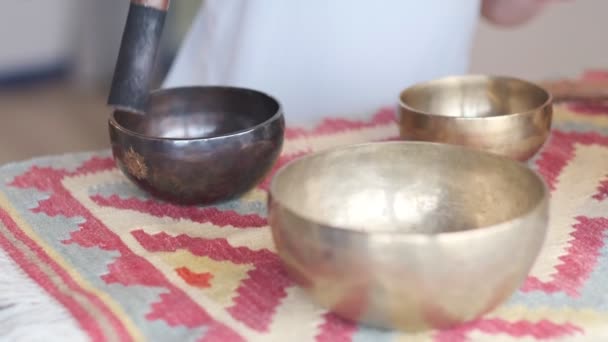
{"x": 28, "y": 313}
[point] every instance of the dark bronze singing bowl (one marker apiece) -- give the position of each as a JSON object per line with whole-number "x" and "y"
{"x": 408, "y": 235}
{"x": 199, "y": 145}
{"x": 503, "y": 115}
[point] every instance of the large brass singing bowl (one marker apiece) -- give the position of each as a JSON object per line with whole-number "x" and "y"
{"x": 503, "y": 115}
{"x": 408, "y": 235}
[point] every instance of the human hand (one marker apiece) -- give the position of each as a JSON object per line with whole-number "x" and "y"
{"x": 512, "y": 12}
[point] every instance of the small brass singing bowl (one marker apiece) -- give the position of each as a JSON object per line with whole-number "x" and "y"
{"x": 199, "y": 145}
{"x": 502, "y": 115}
{"x": 408, "y": 235}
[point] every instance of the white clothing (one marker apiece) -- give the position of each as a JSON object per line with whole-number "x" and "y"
{"x": 324, "y": 58}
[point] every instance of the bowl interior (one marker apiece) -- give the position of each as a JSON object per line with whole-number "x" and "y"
{"x": 474, "y": 96}
{"x": 200, "y": 112}
{"x": 407, "y": 187}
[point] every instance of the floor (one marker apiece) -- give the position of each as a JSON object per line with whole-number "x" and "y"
{"x": 51, "y": 119}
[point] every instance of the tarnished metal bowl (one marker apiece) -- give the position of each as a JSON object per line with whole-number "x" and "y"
{"x": 199, "y": 145}
{"x": 503, "y": 115}
{"x": 408, "y": 235}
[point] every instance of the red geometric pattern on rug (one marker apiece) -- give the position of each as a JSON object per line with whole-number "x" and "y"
{"x": 329, "y": 126}
{"x": 597, "y": 108}
{"x": 602, "y": 190}
{"x": 595, "y": 75}
{"x": 590, "y": 108}
{"x": 541, "y": 330}
{"x": 220, "y": 218}
{"x": 559, "y": 151}
{"x": 174, "y": 307}
{"x": 588, "y": 235}
{"x": 260, "y": 294}
{"x": 579, "y": 261}
{"x": 335, "y": 329}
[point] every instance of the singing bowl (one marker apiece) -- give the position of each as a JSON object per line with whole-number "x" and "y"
{"x": 408, "y": 235}
{"x": 502, "y": 115}
{"x": 199, "y": 145}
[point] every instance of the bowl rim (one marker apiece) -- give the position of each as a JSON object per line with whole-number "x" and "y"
{"x": 419, "y": 237}
{"x": 403, "y": 105}
{"x": 276, "y": 116}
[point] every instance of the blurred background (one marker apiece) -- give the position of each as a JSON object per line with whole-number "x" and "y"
{"x": 57, "y": 59}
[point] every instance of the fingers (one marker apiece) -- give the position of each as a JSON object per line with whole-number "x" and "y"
{"x": 162, "y": 5}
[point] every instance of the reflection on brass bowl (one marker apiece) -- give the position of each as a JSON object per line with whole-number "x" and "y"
{"x": 503, "y": 115}
{"x": 408, "y": 235}
{"x": 199, "y": 145}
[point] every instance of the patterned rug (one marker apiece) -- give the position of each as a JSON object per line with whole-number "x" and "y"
{"x": 86, "y": 256}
